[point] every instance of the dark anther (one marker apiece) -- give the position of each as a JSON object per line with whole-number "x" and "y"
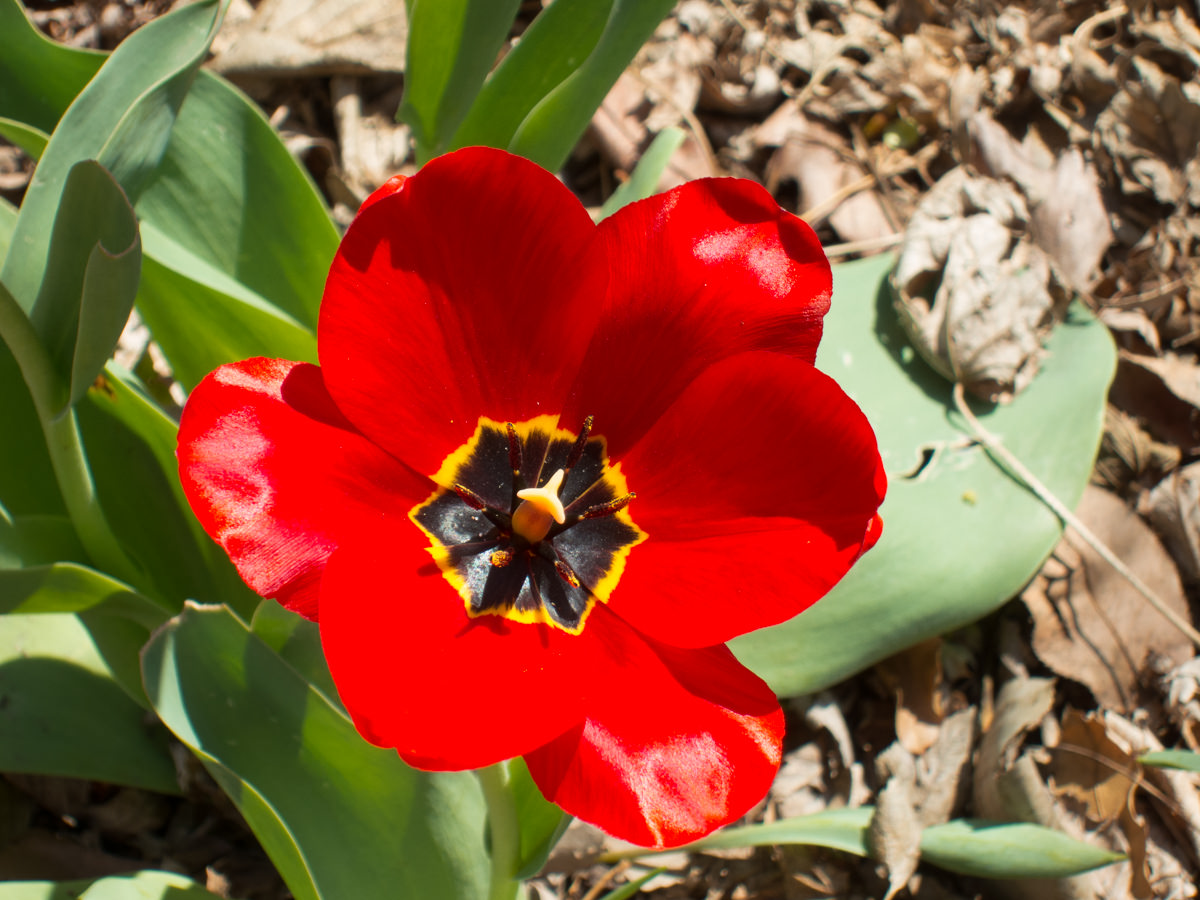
{"x": 501, "y": 558}
{"x": 607, "y": 509}
{"x": 469, "y": 497}
{"x": 500, "y": 519}
{"x": 566, "y": 573}
{"x": 514, "y": 449}
{"x": 580, "y": 444}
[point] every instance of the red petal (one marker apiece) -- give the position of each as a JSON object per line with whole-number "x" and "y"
{"x": 758, "y": 489}
{"x": 389, "y": 187}
{"x": 446, "y": 690}
{"x": 279, "y": 478}
{"x": 702, "y": 272}
{"x": 471, "y": 290}
{"x": 678, "y": 744}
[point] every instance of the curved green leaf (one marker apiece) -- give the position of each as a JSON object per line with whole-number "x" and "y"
{"x": 555, "y": 123}
{"x": 144, "y": 885}
{"x": 451, "y": 46}
{"x": 1186, "y": 760}
{"x": 960, "y": 536}
{"x": 1009, "y": 850}
{"x": 338, "y": 817}
{"x": 56, "y": 688}
{"x": 203, "y": 318}
{"x": 91, "y": 278}
{"x": 643, "y": 181}
{"x": 131, "y": 452}
{"x": 122, "y": 119}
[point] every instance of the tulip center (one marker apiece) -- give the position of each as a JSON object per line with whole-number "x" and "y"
{"x": 530, "y": 522}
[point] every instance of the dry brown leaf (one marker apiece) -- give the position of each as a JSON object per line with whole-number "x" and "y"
{"x": 975, "y": 294}
{"x": 1022, "y": 704}
{"x": 1092, "y": 770}
{"x": 1173, "y": 508}
{"x": 1067, "y": 214}
{"x": 894, "y": 834}
{"x": 289, "y": 37}
{"x": 1141, "y": 389}
{"x": 1150, "y": 133}
{"x": 823, "y": 167}
{"x": 914, "y": 676}
{"x": 1089, "y": 624}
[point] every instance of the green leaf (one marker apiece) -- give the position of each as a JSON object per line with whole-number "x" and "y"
{"x": 38, "y": 77}
{"x": 338, "y": 817}
{"x": 32, "y": 140}
{"x": 1009, "y": 850}
{"x": 91, "y": 280}
{"x": 298, "y": 643}
{"x": 967, "y": 846}
{"x": 451, "y": 46}
{"x": 122, "y": 119}
{"x": 960, "y": 536}
{"x": 131, "y": 451}
{"x": 144, "y": 885}
{"x": 627, "y": 890}
{"x": 543, "y": 94}
{"x": 230, "y": 194}
{"x": 643, "y": 181}
{"x": 203, "y": 318}
{"x": 57, "y": 690}
{"x": 27, "y": 482}
{"x": 1172, "y": 759}
{"x": 542, "y": 822}
{"x": 837, "y": 829}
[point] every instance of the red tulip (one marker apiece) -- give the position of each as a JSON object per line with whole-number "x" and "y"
{"x": 545, "y": 470}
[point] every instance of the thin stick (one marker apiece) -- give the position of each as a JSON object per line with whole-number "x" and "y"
{"x": 994, "y": 446}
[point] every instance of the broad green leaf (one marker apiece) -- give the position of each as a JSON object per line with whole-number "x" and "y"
{"x": 643, "y": 181}
{"x": 224, "y": 188}
{"x": 91, "y": 279}
{"x": 837, "y": 829}
{"x": 144, "y": 885}
{"x": 36, "y": 540}
{"x": 338, "y": 817}
{"x": 544, "y": 93}
{"x": 64, "y": 714}
{"x": 967, "y": 846}
{"x": 38, "y": 77}
{"x": 67, "y": 587}
{"x": 1009, "y": 850}
{"x": 1172, "y": 759}
{"x": 122, "y": 119}
{"x": 131, "y": 451}
{"x": 960, "y": 536}
{"x": 542, "y": 822}
{"x": 203, "y": 318}
{"x": 229, "y": 193}
{"x": 30, "y": 139}
{"x": 451, "y": 46}
{"x": 27, "y": 482}
{"x": 298, "y": 643}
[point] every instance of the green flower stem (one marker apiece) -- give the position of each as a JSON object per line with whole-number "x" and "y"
{"x": 60, "y": 428}
{"x": 505, "y": 831}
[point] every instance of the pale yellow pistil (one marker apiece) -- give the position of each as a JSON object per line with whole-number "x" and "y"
{"x": 540, "y": 509}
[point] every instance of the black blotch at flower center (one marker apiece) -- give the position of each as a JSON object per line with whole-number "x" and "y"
{"x": 511, "y": 549}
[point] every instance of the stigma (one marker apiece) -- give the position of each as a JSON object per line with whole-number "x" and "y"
{"x": 539, "y": 510}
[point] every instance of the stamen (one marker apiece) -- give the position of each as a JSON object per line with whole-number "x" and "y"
{"x": 579, "y": 445}
{"x": 469, "y": 497}
{"x": 541, "y": 507}
{"x": 566, "y": 573}
{"x": 514, "y": 450}
{"x": 607, "y": 509}
{"x": 501, "y": 558}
